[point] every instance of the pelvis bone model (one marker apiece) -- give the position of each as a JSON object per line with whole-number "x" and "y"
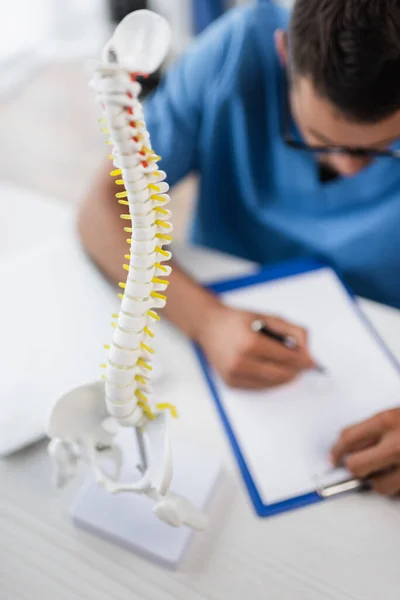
{"x": 85, "y": 421}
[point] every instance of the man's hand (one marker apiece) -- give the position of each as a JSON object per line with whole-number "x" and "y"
{"x": 251, "y": 360}
{"x": 371, "y": 450}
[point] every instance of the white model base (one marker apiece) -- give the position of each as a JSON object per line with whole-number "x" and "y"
{"x": 128, "y": 520}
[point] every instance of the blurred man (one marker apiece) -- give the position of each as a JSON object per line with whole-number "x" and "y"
{"x": 293, "y": 125}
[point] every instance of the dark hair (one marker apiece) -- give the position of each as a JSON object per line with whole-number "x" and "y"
{"x": 351, "y": 51}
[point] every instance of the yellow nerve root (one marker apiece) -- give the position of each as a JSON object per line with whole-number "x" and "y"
{"x": 161, "y": 267}
{"x": 147, "y": 348}
{"x": 147, "y": 410}
{"x": 145, "y": 365}
{"x": 153, "y": 315}
{"x": 164, "y": 224}
{"x": 161, "y": 251}
{"x": 142, "y": 397}
{"x": 166, "y": 406}
{"x": 157, "y": 295}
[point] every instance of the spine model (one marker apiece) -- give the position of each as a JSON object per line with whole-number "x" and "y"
{"x": 148, "y": 228}
{"x": 82, "y": 422}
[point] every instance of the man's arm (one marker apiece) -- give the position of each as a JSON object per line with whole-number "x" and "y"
{"x": 244, "y": 359}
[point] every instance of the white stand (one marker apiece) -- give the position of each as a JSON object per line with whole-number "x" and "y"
{"x": 133, "y": 524}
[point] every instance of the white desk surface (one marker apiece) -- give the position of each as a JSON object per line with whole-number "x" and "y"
{"x": 346, "y": 549}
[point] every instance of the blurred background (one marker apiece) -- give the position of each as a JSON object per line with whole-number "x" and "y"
{"x": 50, "y": 140}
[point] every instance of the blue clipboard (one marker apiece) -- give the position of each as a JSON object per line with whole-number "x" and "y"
{"x": 280, "y": 271}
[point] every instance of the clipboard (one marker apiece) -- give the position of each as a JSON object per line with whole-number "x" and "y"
{"x": 325, "y": 487}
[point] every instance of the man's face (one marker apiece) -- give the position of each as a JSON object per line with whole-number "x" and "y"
{"x": 322, "y": 125}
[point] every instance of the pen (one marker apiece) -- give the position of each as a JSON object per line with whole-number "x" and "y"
{"x": 343, "y": 487}
{"x": 259, "y": 326}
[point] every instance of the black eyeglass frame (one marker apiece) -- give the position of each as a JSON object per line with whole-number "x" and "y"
{"x": 298, "y": 145}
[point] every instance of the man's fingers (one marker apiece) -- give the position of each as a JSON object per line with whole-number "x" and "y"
{"x": 298, "y": 333}
{"x": 271, "y": 350}
{"x": 270, "y": 374}
{"x": 356, "y": 437}
{"x": 387, "y": 483}
{"x": 258, "y": 375}
{"x": 300, "y": 357}
{"x": 380, "y": 457}
{"x": 247, "y": 383}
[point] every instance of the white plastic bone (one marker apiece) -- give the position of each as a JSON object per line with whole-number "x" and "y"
{"x": 176, "y": 511}
{"x": 84, "y": 423}
{"x": 79, "y": 428}
{"x": 141, "y": 42}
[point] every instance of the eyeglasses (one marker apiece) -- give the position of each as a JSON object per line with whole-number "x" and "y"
{"x": 299, "y": 145}
{"x": 356, "y": 152}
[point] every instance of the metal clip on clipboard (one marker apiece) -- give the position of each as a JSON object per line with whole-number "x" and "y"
{"x": 335, "y": 483}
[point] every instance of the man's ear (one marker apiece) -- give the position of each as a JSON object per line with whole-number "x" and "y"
{"x": 280, "y": 37}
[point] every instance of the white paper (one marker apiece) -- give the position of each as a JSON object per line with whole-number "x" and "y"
{"x": 285, "y": 434}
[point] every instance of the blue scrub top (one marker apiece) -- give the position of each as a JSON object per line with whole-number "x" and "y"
{"x": 218, "y": 112}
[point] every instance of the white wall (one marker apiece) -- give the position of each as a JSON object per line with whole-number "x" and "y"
{"x": 178, "y": 14}
{"x": 23, "y": 24}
